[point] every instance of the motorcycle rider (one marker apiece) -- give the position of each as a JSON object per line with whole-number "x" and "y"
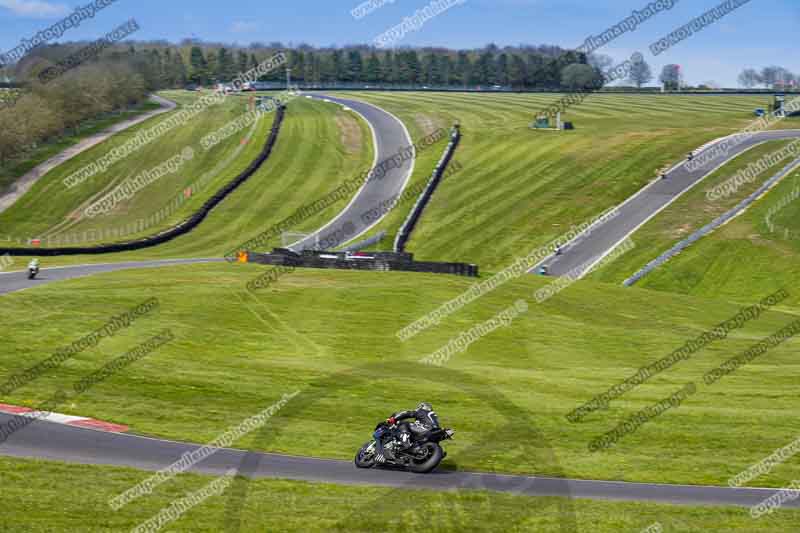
{"x": 425, "y": 419}
{"x": 34, "y": 264}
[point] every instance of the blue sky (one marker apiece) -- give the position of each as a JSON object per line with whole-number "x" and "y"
{"x": 757, "y": 34}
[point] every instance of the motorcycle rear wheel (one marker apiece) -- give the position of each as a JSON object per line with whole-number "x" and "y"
{"x": 362, "y": 461}
{"x": 432, "y": 459}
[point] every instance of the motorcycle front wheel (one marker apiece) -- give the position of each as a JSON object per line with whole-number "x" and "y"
{"x": 365, "y": 458}
{"x": 432, "y": 454}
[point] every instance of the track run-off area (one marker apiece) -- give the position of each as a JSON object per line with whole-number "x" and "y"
{"x": 589, "y": 248}
{"x": 46, "y": 440}
{"x": 52, "y": 441}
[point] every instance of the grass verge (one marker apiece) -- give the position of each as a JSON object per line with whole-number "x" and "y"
{"x": 237, "y": 352}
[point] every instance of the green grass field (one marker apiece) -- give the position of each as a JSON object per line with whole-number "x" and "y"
{"x": 236, "y": 353}
{"x": 46, "y": 498}
{"x": 522, "y": 188}
{"x": 59, "y": 210}
{"x": 740, "y": 260}
{"x": 744, "y": 257}
{"x": 331, "y": 334}
{"x": 10, "y": 172}
{"x": 309, "y": 160}
{"x": 518, "y": 189}
{"x": 312, "y": 157}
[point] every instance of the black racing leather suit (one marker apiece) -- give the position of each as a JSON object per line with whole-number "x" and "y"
{"x": 424, "y": 421}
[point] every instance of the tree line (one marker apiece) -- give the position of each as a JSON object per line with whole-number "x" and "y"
{"x": 125, "y": 72}
{"x": 516, "y": 67}
{"x": 167, "y": 65}
{"x": 772, "y": 77}
{"x": 34, "y": 112}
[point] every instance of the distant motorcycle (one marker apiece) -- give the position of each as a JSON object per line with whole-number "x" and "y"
{"x": 422, "y": 456}
{"x": 32, "y": 271}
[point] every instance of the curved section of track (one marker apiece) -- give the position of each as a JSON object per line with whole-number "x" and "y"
{"x": 178, "y": 230}
{"x": 390, "y": 137}
{"x": 17, "y": 281}
{"x": 47, "y": 440}
{"x": 586, "y": 250}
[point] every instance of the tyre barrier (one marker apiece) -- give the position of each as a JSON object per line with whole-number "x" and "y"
{"x": 710, "y": 227}
{"x": 366, "y": 243}
{"x": 176, "y": 231}
{"x": 425, "y": 196}
{"x": 378, "y": 261}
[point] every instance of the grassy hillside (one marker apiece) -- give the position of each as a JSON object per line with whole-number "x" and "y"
{"x": 746, "y": 256}
{"x": 319, "y": 147}
{"x": 236, "y": 353}
{"x": 12, "y": 171}
{"x": 331, "y": 335}
{"x": 59, "y": 209}
{"x": 420, "y": 125}
{"x": 521, "y": 188}
{"x": 518, "y": 188}
{"x": 776, "y": 252}
{"x": 44, "y": 499}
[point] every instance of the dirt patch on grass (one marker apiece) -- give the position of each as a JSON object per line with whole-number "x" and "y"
{"x": 350, "y": 132}
{"x": 681, "y": 231}
{"x": 427, "y": 123}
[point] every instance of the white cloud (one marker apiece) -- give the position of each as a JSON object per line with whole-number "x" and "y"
{"x": 35, "y": 8}
{"x": 241, "y": 26}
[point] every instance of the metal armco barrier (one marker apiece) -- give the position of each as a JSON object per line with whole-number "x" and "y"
{"x": 416, "y": 212}
{"x": 366, "y": 243}
{"x": 176, "y": 231}
{"x": 379, "y": 261}
{"x": 708, "y": 228}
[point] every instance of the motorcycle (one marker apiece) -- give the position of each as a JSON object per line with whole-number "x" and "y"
{"x": 32, "y": 271}
{"x": 423, "y": 454}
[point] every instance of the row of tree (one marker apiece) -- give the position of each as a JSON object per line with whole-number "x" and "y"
{"x": 515, "y": 67}
{"x": 175, "y": 65}
{"x": 124, "y": 73}
{"x": 672, "y": 78}
{"x": 41, "y": 112}
{"x": 773, "y": 77}
{"x": 167, "y": 65}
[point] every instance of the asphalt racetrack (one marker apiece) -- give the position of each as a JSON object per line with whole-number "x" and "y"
{"x": 590, "y": 247}
{"x": 18, "y": 280}
{"x": 47, "y": 440}
{"x": 390, "y": 137}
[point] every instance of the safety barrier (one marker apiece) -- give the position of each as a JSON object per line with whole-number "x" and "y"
{"x": 708, "y": 228}
{"x": 176, "y": 231}
{"x": 416, "y": 212}
{"x": 378, "y": 261}
{"x": 366, "y": 243}
{"x": 361, "y": 87}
